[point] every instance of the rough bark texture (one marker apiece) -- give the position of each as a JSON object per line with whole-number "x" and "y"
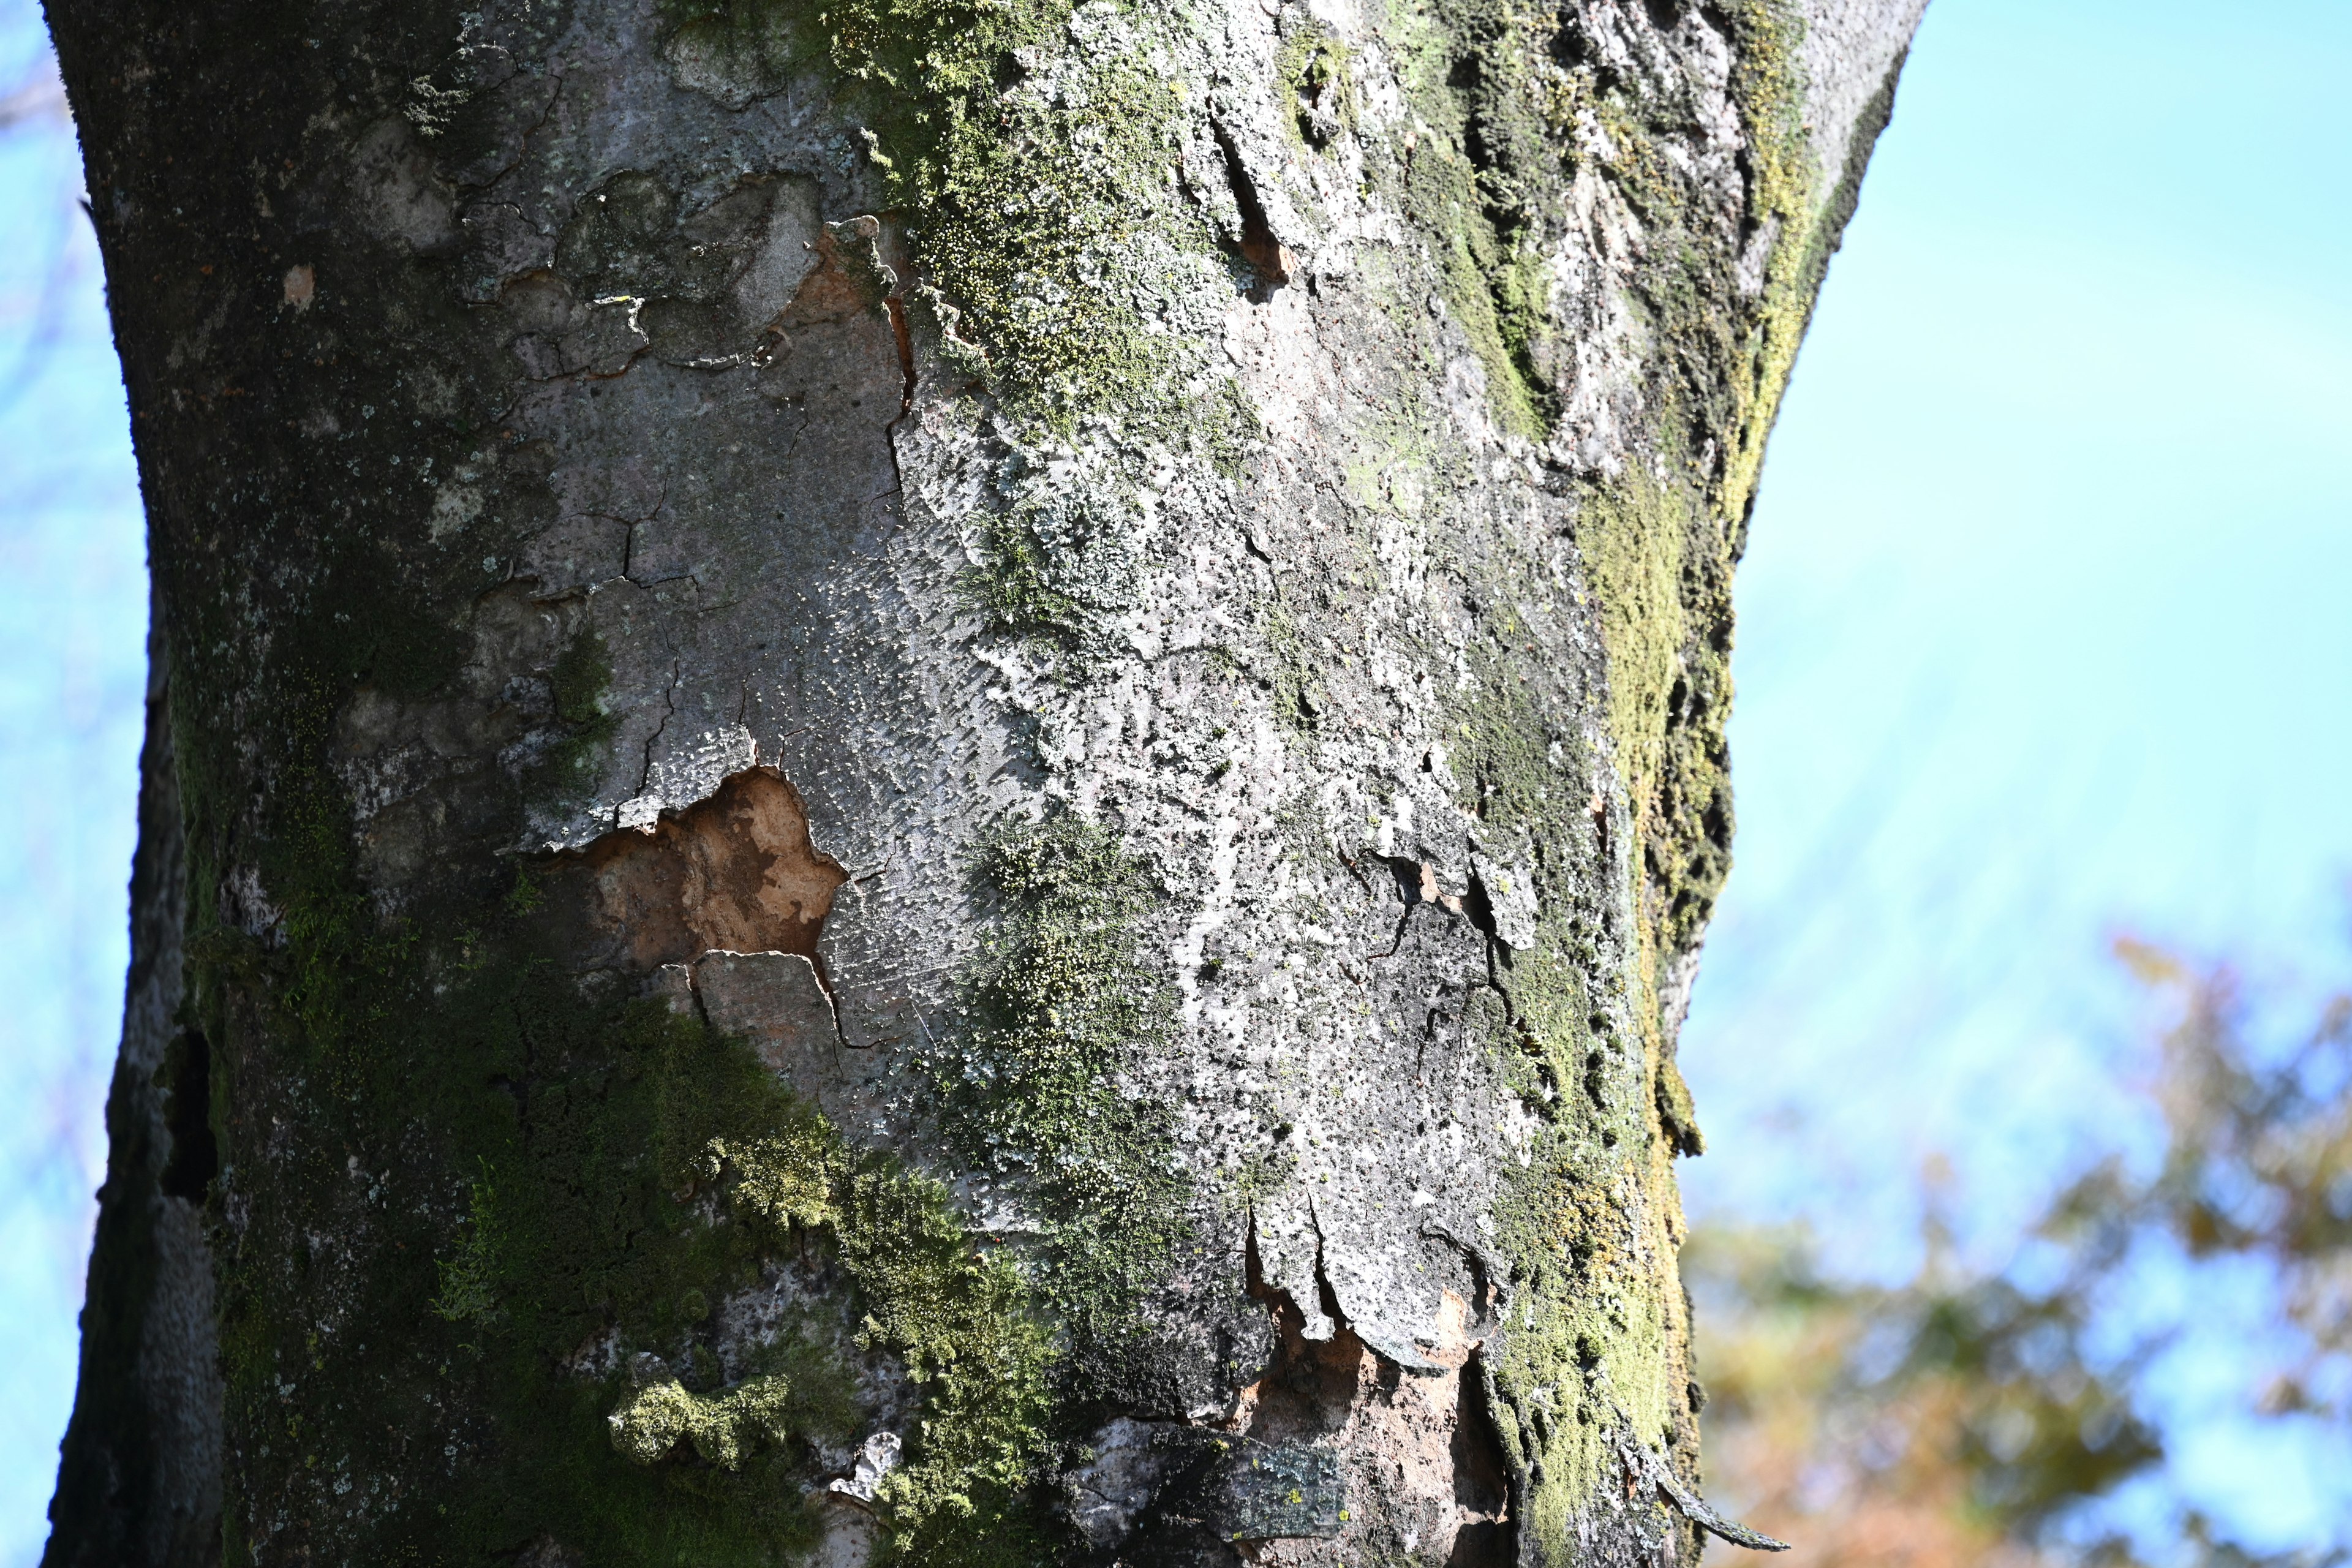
{"x": 930, "y": 780}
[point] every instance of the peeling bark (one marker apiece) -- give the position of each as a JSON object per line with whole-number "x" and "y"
{"x": 939, "y": 780}
{"x": 735, "y": 871}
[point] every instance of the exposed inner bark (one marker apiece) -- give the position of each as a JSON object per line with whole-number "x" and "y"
{"x": 1424, "y": 1433}
{"x": 1259, "y": 247}
{"x": 736, "y": 872}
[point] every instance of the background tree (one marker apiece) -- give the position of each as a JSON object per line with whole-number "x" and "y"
{"x": 1973, "y": 1415}
{"x": 930, "y": 778}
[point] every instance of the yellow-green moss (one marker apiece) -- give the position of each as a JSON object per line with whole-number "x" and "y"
{"x": 1767, "y": 84}
{"x": 722, "y": 1427}
{"x": 1594, "y": 1320}
{"x": 1631, "y": 536}
{"x": 1660, "y": 565}
{"x": 960, "y": 1321}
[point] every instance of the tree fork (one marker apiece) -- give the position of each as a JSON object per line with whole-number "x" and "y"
{"x": 930, "y": 780}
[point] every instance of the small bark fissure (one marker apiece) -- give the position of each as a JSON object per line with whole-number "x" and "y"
{"x": 1265, "y": 253}
{"x": 895, "y": 304}
{"x": 1416, "y": 884}
{"x": 185, "y": 1078}
{"x": 669, "y": 712}
{"x": 1307, "y": 1390}
{"x": 1488, "y": 1534}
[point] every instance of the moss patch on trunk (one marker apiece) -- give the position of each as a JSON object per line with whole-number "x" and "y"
{"x": 1037, "y": 1090}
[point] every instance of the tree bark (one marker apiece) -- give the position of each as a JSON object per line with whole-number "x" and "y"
{"x": 930, "y": 780}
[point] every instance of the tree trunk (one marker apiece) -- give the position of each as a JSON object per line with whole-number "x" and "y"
{"x": 931, "y": 780}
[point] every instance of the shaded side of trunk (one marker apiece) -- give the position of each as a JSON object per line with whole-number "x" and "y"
{"x": 138, "y": 1480}
{"x": 939, "y": 779}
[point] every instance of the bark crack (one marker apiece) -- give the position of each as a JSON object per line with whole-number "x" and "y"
{"x": 669, "y": 711}
{"x": 895, "y": 304}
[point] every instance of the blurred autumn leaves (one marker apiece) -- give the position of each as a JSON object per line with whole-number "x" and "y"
{"x": 1974, "y": 1417}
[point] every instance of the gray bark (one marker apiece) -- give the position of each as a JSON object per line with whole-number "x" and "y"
{"x": 927, "y": 783}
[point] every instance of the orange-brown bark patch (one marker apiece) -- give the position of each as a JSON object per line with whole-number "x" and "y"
{"x": 735, "y": 872}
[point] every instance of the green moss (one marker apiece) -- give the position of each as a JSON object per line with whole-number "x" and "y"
{"x": 596, "y": 1130}
{"x": 1719, "y": 362}
{"x": 1057, "y": 569}
{"x": 483, "y": 1167}
{"x": 1767, "y": 84}
{"x": 964, "y": 1324}
{"x": 1291, "y": 672}
{"x": 1315, "y": 64}
{"x": 570, "y": 1231}
{"x": 466, "y": 1285}
{"x": 1031, "y": 225}
{"x": 1596, "y": 1332}
{"x": 1595, "y": 1323}
{"x": 580, "y": 680}
{"x": 1478, "y": 274}
{"x": 1055, "y": 1013}
{"x": 586, "y": 1225}
{"x": 1484, "y": 186}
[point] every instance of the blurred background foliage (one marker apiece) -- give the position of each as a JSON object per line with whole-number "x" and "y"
{"x": 1970, "y": 1415}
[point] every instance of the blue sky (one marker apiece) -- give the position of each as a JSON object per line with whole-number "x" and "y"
{"x": 2042, "y": 637}
{"x": 73, "y": 618}
{"x": 2043, "y": 625}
